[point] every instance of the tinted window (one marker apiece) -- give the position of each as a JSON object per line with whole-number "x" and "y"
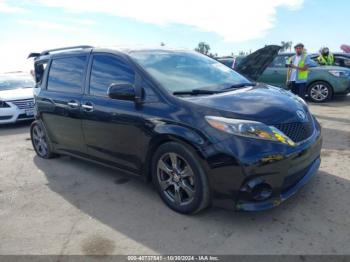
{"x": 227, "y": 62}
{"x": 39, "y": 71}
{"x": 107, "y": 70}
{"x": 342, "y": 61}
{"x": 185, "y": 71}
{"x": 280, "y": 61}
{"x": 66, "y": 74}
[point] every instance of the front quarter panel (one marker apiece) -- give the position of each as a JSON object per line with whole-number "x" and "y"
{"x": 339, "y": 84}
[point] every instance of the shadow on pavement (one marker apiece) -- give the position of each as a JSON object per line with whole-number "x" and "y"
{"x": 16, "y": 128}
{"x": 133, "y": 208}
{"x": 337, "y": 101}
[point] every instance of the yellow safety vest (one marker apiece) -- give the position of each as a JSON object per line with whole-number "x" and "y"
{"x": 301, "y": 74}
{"x": 328, "y": 60}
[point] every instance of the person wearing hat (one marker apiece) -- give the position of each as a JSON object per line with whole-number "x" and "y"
{"x": 298, "y": 71}
{"x": 325, "y": 57}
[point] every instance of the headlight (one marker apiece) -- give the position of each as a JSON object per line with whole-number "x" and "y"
{"x": 340, "y": 73}
{"x": 3, "y": 104}
{"x": 249, "y": 128}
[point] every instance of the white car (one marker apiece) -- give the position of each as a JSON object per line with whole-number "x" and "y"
{"x": 16, "y": 98}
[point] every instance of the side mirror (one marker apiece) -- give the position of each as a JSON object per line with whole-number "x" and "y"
{"x": 122, "y": 92}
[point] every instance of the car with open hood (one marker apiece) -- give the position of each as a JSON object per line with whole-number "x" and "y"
{"x": 16, "y": 97}
{"x": 323, "y": 82}
{"x": 201, "y": 132}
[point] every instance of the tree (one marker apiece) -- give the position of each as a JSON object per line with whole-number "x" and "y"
{"x": 203, "y": 48}
{"x": 286, "y": 46}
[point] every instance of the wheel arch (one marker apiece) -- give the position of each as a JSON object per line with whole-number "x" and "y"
{"x": 320, "y": 81}
{"x": 161, "y": 139}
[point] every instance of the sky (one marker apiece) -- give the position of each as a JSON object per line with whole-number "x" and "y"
{"x": 228, "y": 26}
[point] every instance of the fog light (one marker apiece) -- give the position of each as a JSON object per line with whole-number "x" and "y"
{"x": 261, "y": 192}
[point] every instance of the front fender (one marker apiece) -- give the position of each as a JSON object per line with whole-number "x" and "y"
{"x": 185, "y": 133}
{"x": 166, "y": 132}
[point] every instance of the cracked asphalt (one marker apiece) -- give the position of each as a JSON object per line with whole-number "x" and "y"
{"x": 67, "y": 206}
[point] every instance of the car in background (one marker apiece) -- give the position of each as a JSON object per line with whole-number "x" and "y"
{"x": 323, "y": 83}
{"x": 228, "y": 61}
{"x": 340, "y": 59}
{"x": 16, "y": 97}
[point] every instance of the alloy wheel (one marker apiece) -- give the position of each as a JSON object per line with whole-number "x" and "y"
{"x": 319, "y": 92}
{"x": 39, "y": 141}
{"x": 176, "y": 179}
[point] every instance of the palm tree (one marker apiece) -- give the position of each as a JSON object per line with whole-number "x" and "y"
{"x": 203, "y": 48}
{"x": 286, "y": 45}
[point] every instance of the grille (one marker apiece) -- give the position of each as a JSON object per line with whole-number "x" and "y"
{"x": 297, "y": 131}
{"x": 24, "y": 104}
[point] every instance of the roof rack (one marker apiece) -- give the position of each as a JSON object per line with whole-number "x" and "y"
{"x": 46, "y": 52}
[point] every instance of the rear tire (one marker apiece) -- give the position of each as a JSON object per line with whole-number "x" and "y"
{"x": 179, "y": 178}
{"x": 40, "y": 141}
{"x": 320, "y": 92}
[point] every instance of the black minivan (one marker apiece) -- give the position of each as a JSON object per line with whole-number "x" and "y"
{"x": 200, "y": 131}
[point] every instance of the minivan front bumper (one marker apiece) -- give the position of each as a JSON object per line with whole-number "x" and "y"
{"x": 238, "y": 166}
{"x": 244, "y": 205}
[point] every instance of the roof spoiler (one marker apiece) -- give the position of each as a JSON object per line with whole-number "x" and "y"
{"x": 46, "y": 52}
{"x": 33, "y": 55}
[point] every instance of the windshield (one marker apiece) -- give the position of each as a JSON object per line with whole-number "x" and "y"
{"x": 185, "y": 71}
{"x": 14, "y": 82}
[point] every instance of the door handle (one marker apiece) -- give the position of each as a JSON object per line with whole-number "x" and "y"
{"x": 73, "y": 104}
{"x": 88, "y": 107}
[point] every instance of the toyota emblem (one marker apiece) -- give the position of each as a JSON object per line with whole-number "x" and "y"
{"x": 301, "y": 114}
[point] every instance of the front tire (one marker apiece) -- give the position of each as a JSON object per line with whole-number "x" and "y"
{"x": 179, "y": 178}
{"x": 320, "y": 92}
{"x": 40, "y": 141}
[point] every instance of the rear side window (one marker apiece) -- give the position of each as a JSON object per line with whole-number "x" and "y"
{"x": 342, "y": 61}
{"x": 39, "y": 71}
{"x": 280, "y": 61}
{"x": 66, "y": 74}
{"x": 107, "y": 70}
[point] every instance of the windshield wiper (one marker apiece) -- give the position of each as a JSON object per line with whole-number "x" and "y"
{"x": 210, "y": 92}
{"x": 237, "y": 86}
{"x": 196, "y": 92}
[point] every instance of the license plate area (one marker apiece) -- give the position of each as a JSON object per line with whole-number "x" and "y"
{"x": 29, "y": 112}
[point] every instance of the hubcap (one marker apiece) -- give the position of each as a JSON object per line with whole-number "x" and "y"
{"x": 39, "y": 140}
{"x": 319, "y": 92}
{"x": 176, "y": 178}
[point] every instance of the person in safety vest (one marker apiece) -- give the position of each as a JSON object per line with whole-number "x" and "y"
{"x": 325, "y": 57}
{"x": 298, "y": 71}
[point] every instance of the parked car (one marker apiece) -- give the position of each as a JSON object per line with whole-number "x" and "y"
{"x": 323, "y": 83}
{"x": 227, "y": 61}
{"x": 16, "y": 97}
{"x": 200, "y": 131}
{"x": 340, "y": 59}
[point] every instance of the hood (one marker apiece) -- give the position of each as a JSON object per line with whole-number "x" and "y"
{"x": 253, "y": 65}
{"x": 263, "y": 103}
{"x": 16, "y": 94}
